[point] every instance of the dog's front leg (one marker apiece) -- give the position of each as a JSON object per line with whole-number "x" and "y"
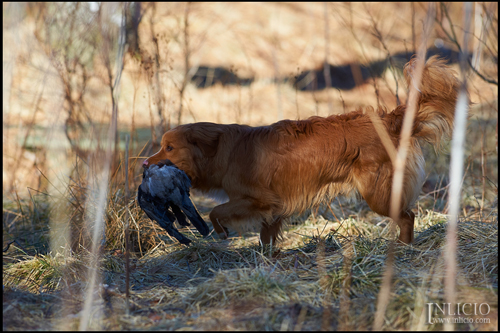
{"x": 237, "y": 213}
{"x": 221, "y": 230}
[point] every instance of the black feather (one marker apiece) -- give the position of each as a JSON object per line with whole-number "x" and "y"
{"x": 163, "y": 217}
{"x": 166, "y": 187}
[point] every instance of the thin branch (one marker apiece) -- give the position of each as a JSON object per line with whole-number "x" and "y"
{"x": 326, "y": 67}
{"x": 399, "y": 167}
{"x": 127, "y": 232}
{"x": 456, "y": 171}
{"x": 453, "y": 38}
{"x": 378, "y": 35}
{"x": 383, "y": 135}
{"x": 98, "y": 223}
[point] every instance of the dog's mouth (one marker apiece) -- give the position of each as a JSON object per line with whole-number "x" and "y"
{"x": 160, "y": 164}
{"x": 166, "y": 162}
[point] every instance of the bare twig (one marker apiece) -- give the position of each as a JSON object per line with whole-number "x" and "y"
{"x": 483, "y": 172}
{"x": 378, "y": 35}
{"x": 17, "y": 243}
{"x": 344, "y": 298}
{"x": 127, "y": 245}
{"x": 278, "y": 84}
{"x": 156, "y": 83}
{"x": 355, "y": 68}
{"x": 399, "y": 167}
{"x": 413, "y": 39}
{"x": 383, "y": 135}
{"x": 456, "y": 171}
{"x": 453, "y": 38}
{"x": 326, "y": 67}
{"x": 98, "y": 223}
{"x": 320, "y": 257}
{"x": 187, "y": 55}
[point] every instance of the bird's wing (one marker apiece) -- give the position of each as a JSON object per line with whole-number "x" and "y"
{"x": 176, "y": 184}
{"x": 165, "y": 185}
{"x": 188, "y": 207}
{"x": 163, "y": 217}
{"x": 181, "y": 218}
{"x": 190, "y": 210}
{"x": 149, "y": 204}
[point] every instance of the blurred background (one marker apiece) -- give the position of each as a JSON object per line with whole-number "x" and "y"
{"x": 248, "y": 63}
{"x": 79, "y": 77}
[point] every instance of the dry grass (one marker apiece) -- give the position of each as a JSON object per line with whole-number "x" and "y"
{"x": 326, "y": 273}
{"x": 227, "y": 285}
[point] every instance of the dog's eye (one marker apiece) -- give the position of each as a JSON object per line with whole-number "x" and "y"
{"x": 169, "y": 148}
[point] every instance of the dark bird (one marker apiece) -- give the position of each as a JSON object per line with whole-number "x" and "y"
{"x": 165, "y": 187}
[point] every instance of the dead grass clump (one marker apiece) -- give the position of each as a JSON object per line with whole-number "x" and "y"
{"x": 50, "y": 273}
{"x": 27, "y": 223}
{"x": 143, "y": 232}
{"x": 262, "y": 285}
{"x": 420, "y": 280}
{"x": 432, "y": 237}
{"x": 330, "y": 242}
{"x": 477, "y": 248}
{"x": 365, "y": 259}
{"x": 44, "y": 273}
{"x": 478, "y": 252}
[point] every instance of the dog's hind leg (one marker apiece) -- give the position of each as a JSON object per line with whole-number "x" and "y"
{"x": 375, "y": 187}
{"x": 405, "y": 223}
{"x": 270, "y": 232}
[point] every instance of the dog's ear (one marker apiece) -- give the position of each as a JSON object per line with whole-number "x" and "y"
{"x": 206, "y": 139}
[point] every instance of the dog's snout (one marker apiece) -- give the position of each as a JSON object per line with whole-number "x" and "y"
{"x": 145, "y": 164}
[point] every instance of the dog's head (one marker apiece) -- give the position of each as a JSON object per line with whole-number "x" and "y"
{"x": 188, "y": 147}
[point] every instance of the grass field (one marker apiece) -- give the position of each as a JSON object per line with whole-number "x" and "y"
{"x": 65, "y": 200}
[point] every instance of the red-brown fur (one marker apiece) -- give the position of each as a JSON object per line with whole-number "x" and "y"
{"x": 271, "y": 172}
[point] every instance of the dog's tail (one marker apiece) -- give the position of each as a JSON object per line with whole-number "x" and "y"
{"x": 436, "y": 105}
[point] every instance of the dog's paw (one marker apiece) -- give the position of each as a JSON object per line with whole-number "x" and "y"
{"x": 222, "y": 235}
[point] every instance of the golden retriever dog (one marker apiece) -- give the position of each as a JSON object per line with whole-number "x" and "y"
{"x": 268, "y": 173}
